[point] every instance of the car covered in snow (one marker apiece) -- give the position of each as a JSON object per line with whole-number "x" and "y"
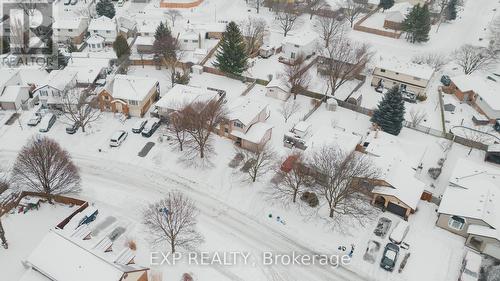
{"x": 73, "y": 127}
{"x": 151, "y": 126}
{"x": 471, "y": 265}
{"x": 399, "y": 232}
{"x": 118, "y": 138}
{"x": 139, "y": 126}
{"x": 34, "y": 120}
{"x": 389, "y": 257}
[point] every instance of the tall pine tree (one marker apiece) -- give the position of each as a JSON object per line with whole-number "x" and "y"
{"x": 386, "y": 4}
{"x": 451, "y": 10}
{"x": 231, "y": 56}
{"x": 417, "y": 24}
{"x": 390, "y": 112}
{"x": 121, "y": 47}
{"x": 105, "y": 8}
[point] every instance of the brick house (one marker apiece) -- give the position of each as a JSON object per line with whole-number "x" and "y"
{"x": 130, "y": 95}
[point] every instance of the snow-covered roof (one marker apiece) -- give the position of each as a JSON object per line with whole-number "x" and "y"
{"x": 129, "y": 87}
{"x": 60, "y": 79}
{"x": 301, "y": 39}
{"x": 486, "y": 88}
{"x": 396, "y": 16}
{"x": 278, "y": 83}
{"x": 395, "y": 168}
{"x": 255, "y": 133}
{"x": 416, "y": 70}
{"x": 302, "y": 126}
{"x": 181, "y": 95}
{"x": 145, "y": 40}
{"x": 95, "y": 39}
{"x": 326, "y": 135}
{"x": 69, "y": 23}
{"x": 7, "y": 76}
{"x": 147, "y": 26}
{"x": 81, "y": 252}
{"x": 11, "y": 93}
{"x": 102, "y": 23}
{"x": 86, "y": 74}
{"x": 473, "y": 192}
{"x": 126, "y": 22}
{"x": 245, "y": 110}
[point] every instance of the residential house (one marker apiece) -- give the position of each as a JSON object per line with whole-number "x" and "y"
{"x": 182, "y": 95}
{"x": 105, "y": 27}
{"x": 481, "y": 92}
{"x": 278, "y": 89}
{"x": 470, "y": 206}
{"x": 396, "y": 15}
{"x": 493, "y": 153}
{"x": 127, "y": 27}
{"x": 58, "y": 83}
{"x": 96, "y": 43}
{"x": 144, "y": 44}
{"x": 13, "y": 97}
{"x": 190, "y": 40}
{"x": 303, "y": 44}
{"x": 16, "y": 86}
{"x": 408, "y": 77}
{"x": 86, "y": 246}
{"x": 130, "y": 95}
{"x": 325, "y": 64}
{"x": 396, "y": 189}
{"x": 86, "y": 75}
{"x": 246, "y": 124}
{"x": 70, "y": 29}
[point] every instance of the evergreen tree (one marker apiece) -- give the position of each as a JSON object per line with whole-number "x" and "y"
{"x": 105, "y": 8}
{"x": 451, "y": 10}
{"x": 231, "y": 56}
{"x": 165, "y": 45}
{"x": 390, "y": 112}
{"x": 121, "y": 47}
{"x": 386, "y": 4}
{"x": 417, "y": 24}
{"x": 4, "y": 46}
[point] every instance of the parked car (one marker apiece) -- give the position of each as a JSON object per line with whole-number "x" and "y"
{"x": 471, "y": 264}
{"x": 117, "y": 138}
{"x": 398, "y": 234}
{"x": 120, "y": 3}
{"x": 73, "y": 2}
{"x": 35, "y": 119}
{"x": 409, "y": 97}
{"x": 67, "y": 2}
{"x": 46, "y": 123}
{"x": 139, "y": 126}
{"x": 150, "y": 127}
{"x": 445, "y": 80}
{"x": 497, "y": 125}
{"x": 389, "y": 257}
{"x": 72, "y": 128}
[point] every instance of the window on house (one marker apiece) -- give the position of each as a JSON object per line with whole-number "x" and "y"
{"x": 95, "y": 31}
{"x": 185, "y": 40}
{"x": 296, "y": 46}
{"x": 397, "y": 73}
{"x": 417, "y": 79}
{"x": 292, "y": 55}
{"x": 106, "y": 97}
{"x": 195, "y": 41}
{"x": 237, "y": 124}
{"x": 133, "y": 102}
{"x": 70, "y": 30}
{"x": 108, "y": 31}
{"x": 382, "y": 70}
{"x": 456, "y": 222}
{"x": 92, "y": 46}
{"x": 226, "y": 130}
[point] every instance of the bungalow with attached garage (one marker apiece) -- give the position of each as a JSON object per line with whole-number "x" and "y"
{"x": 58, "y": 84}
{"x": 278, "y": 89}
{"x": 183, "y": 95}
{"x": 483, "y": 93}
{"x": 246, "y": 124}
{"x": 410, "y": 78}
{"x": 70, "y": 29}
{"x": 130, "y": 95}
{"x": 104, "y": 27}
{"x": 396, "y": 189}
{"x": 74, "y": 250}
{"x": 300, "y": 44}
{"x": 470, "y": 206}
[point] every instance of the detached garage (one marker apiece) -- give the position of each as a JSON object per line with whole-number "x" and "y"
{"x": 13, "y": 97}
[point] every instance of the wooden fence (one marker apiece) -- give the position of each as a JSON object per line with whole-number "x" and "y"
{"x": 359, "y": 27}
{"x": 8, "y": 206}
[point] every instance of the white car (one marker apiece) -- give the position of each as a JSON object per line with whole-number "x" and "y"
{"x": 398, "y": 234}
{"x": 117, "y": 138}
{"x": 34, "y": 120}
{"x": 120, "y": 3}
{"x": 139, "y": 126}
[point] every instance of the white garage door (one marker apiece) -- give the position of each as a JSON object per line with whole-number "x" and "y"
{"x": 492, "y": 249}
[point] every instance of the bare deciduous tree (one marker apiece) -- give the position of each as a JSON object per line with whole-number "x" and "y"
{"x": 289, "y": 108}
{"x": 328, "y": 28}
{"x": 295, "y": 76}
{"x": 173, "y": 15}
{"x": 253, "y": 30}
{"x": 261, "y": 161}
{"x": 344, "y": 60}
{"x": 44, "y": 166}
{"x": 472, "y": 58}
{"x": 177, "y": 128}
{"x": 494, "y": 34}
{"x": 287, "y": 16}
{"x": 313, "y": 6}
{"x": 28, "y": 6}
{"x": 337, "y": 173}
{"x": 434, "y": 60}
{"x": 200, "y": 119}
{"x": 291, "y": 183}
{"x": 352, "y": 10}
{"x": 173, "y": 220}
{"x": 80, "y": 107}
{"x": 417, "y": 116}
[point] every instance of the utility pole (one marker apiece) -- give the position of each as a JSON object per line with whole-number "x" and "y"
{"x": 2, "y": 236}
